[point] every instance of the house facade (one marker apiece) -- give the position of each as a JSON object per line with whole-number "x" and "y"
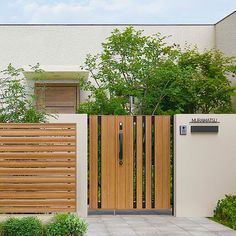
{"x": 61, "y": 50}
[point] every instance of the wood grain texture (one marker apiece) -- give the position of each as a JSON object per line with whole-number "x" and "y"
{"x": 37, "y": 155}
{"x": 117, "y": 181}
{"x": 36, "y": 171}
{"x": 40, "y": 187}
{"x": 31, "y": 163}
{"x": 139, "y": 163}
{"x": 59, "y": 98}
{"x": 36, "y": 132}
{"x": 121, "y": 169}
{"x": 36, "y": 125}
{"x": 42, "y": 140}
{"x": 162, "y": 162}
{"x": 34, "y": 210}
{"x": 37, "y": 148}
{"x": 93, "y": 162}
{"x": 37, "y": 179}
{"x": 129, "y": 158}
{"x": 148, "y": 161}
{"x": 37, "y": 168}
{"x": 43, "y": 203}
{"x": 108, "y": 162}
{"x": 38, "y": 195}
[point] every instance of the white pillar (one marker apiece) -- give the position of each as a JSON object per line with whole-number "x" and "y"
{"x": 81, "y": 157}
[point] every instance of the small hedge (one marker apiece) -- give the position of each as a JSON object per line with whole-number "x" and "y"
{"x": 60, "y": 225}
{"x": 225, "y": 211}
{"x": 66, "y": 225}
{"x": 27, "y": 226}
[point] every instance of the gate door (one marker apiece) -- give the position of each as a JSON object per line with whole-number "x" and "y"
{"x": 129, "y": 165}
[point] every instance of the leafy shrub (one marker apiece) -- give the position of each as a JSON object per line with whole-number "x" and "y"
{"x": 225, "y": 211}
{"x": 1, "y": 228}
{"x": 66, "y": 225}
{"x": 16, "y": 102}
{"x": 27, "y": 226}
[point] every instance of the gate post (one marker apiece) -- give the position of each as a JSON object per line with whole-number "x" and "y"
{"x": 81, "y": 157}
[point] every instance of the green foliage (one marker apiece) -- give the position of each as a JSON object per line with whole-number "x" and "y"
{"x": 225, "y": 211}
{"x": 66, "y": 225}
{"x": 209, "y": 90}
{"x": 27, "y": 226}
{"x": 60, "y": 225}
{"x": 16, "y": 103}
{"x": 1, "y": 228}
{"x": 163, "y": 79}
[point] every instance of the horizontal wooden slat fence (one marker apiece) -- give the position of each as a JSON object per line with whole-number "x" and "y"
{"x": 37, "y": 168}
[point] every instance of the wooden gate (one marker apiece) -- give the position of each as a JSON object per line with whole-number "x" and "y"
{"x": 37, "y": 168}
{"x": 129, "y": 165}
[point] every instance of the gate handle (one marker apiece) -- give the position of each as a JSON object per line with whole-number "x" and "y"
{"x": 121, "y": 145}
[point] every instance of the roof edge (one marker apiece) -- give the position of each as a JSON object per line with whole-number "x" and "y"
{"x": 121, "y": 24}
{"x": 20, "y": 24}
{"x": 225, "y": 17}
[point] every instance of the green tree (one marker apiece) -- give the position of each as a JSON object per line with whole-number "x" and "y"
{"x": 210, "y": 89}
{"x": 163, "y": 79}
{"x": 16, "y": 103}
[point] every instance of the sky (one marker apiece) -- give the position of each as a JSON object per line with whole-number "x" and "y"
{"x": 114, "y": 11}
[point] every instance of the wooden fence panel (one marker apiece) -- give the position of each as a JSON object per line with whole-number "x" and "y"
{"x": 162, "y": 162}
{"x": 139, "y": 162}
{"x": 37, "y": 168}
{"x": 148, "y": 133}
{"x": 93, "y": 161}
{"x": 108, "y": 162}
{"x": 142, "y": 180}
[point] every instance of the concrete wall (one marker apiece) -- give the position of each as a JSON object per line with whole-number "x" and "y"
{"x": 65, "y": 45}
{"x": 204, "y": 165}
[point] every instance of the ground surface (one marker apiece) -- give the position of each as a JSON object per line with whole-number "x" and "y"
{"x": 154, "y": 225}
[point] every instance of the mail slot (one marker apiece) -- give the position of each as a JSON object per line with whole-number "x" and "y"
{"x": 205, "y": 129}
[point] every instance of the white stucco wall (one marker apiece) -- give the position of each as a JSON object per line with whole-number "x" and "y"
{"x": 66, "y": 45}
{"x": 204, "y": 165}
{"x": 81, "y": 121}
{"x": 226, "y": 40}
{"x": 226, "y": 35}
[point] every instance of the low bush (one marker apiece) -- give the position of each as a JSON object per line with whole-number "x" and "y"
{"x": 27, "y": 226}
{"x": 225, "y": 211}
{"x": 1, "y": 228}
{"x": 66, "y": 225}
{"x": 60, "y": 225}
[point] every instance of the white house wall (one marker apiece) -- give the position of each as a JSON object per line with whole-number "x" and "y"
{"x": 66, "y": 45}
{"x": 204, "y": 164}
{"x": 226, "y": 39}
{"x": 226, "y": 35}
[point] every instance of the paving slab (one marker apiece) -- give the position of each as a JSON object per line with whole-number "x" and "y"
{"x": 154, "y": 225}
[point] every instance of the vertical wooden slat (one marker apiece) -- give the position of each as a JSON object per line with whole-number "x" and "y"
{"x": 121, "y": 169}
{"x": 139, "y": 164}
{"x": 130, "y": 161}
{"x": 108, "y": 162}
{"x": 93, "y": 162}
{"x": 125, "y": 171}
{"x": 166, "y": 162}
{"x": 162, "y": 162}
{"x": 148, "y": 161}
